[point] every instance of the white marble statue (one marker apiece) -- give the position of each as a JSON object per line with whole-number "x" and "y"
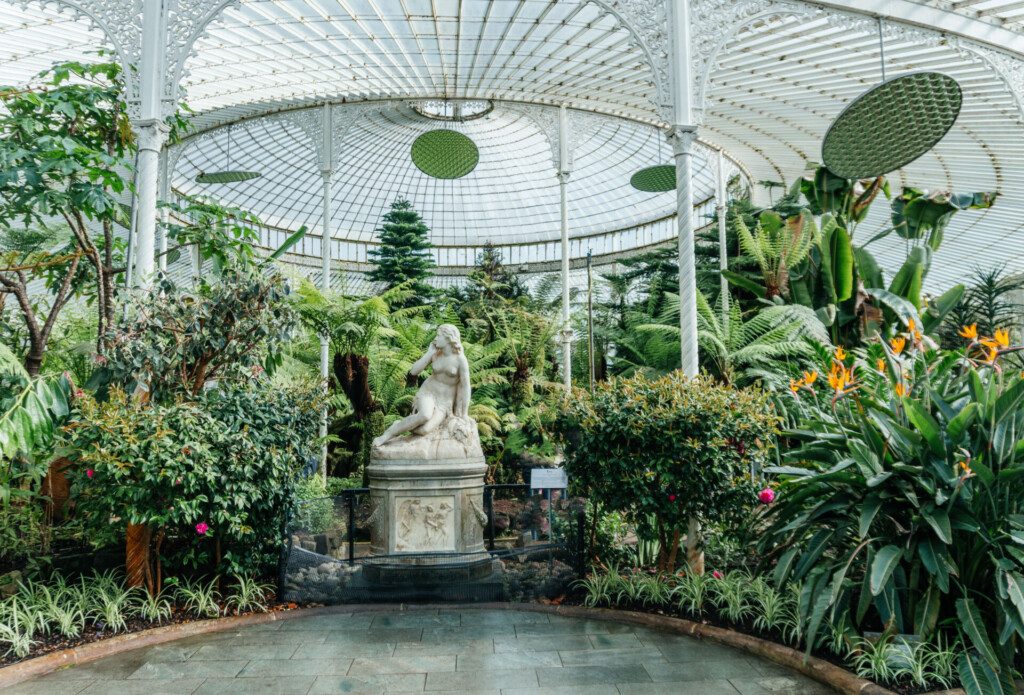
{"x": 439, "y": 426}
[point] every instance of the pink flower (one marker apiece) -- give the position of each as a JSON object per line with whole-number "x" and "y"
{"x": 100, "y": 360}
{"x": 202, "y": 528}
{"x": 79, "y": 393}
{"x": 766, "y": 496}
{"x": 89, "y": 473}
{"x": 671, "y": 498}
{"x": 717, "y": 575}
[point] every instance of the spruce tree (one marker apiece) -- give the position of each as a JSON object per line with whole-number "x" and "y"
{"x": 404, "y": 252}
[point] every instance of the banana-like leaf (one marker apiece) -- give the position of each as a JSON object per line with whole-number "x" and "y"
{"x": 841, "y": 252}
{"x": 744, "y": 283}
{"x": 882, "y": 568}
{"x": 974, "y": 628}
{"x": 941, "y": 306}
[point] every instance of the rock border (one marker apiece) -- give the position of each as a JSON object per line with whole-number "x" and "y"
{"x": 817, "y": 669}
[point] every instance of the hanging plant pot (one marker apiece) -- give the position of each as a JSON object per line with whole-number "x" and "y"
{"x": 227, "y": 176}
{"x": 891, "y": 125}
{"x": 656, "y": 179}
{"x": 445, "y": 154}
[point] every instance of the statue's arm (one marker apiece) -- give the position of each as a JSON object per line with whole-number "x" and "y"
{"x": 462, "y": 395}
{"x": 422, "y": 362}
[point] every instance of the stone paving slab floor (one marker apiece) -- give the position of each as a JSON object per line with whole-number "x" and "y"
{"x": 434, "y": 652}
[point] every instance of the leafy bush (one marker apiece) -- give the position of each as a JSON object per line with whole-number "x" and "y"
{"x": 904, "y": 506}
{"x": 217, "y": 472}
{"x": 667, "y": 451}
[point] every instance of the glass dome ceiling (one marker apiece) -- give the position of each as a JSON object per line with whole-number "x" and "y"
{"x": 770, "y": 76}
{"x": 510, "y": 199}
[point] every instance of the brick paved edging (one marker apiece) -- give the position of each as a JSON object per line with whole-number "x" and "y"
{"x": 812, "y": 667}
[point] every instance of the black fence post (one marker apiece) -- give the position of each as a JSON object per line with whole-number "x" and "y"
{"x": 581, "y": 541}
{"x": 286, "y": 551}
{"x": 351, "y": 527}
{"x": 489, "y": 506}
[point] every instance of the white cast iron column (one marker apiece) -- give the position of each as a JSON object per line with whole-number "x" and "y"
{"x": 682, "y": 135}
{"x": 564, "y": 168}
{"x": 150, "y": 133}
{"x": 723, "y": 257}
{"x": 327, "y": 171}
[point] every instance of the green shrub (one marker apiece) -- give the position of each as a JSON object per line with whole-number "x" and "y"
{"x": 217, "y": 473}
{"x": 668, "y": 450}
{"x": 904, "y": 508}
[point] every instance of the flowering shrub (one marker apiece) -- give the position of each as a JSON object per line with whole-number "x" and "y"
{"x": 668, "y": 450}
{"x": 212, "y": 477}
{"x": 904, "y": 504}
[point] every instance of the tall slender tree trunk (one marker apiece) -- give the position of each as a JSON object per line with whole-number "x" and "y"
{"x": 138, "y": 571}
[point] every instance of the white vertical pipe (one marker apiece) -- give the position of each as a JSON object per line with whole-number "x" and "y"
{"x": 682, "y": 135}
{"x": 327, "y": 171}
{"x": 165, "y": 187}
{"x": 150, "y": 132}
{"x": 564, "y": 167}
{"x": 723, "y": 256}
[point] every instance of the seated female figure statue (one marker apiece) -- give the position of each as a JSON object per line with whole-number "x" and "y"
{"x": 440, "y": 410}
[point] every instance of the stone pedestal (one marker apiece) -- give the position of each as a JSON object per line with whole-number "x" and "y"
{"x": 428, "y": 521}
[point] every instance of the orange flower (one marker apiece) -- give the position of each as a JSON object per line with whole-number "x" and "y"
{"x": 991, "y": 354}
{"x": 795, "y": 384}
{"x": 900, "y": 389}
{"x": 969, "y": 332}
{"x": 898, "y": 343}
{"x": 837, "y": 378}
{"x": 880, "y": 364}
{"x": 1002, "y": 337}
{"x": 912, "y": 328}
{"x": 840, "y": 354}
{"x": 810, "y": 377}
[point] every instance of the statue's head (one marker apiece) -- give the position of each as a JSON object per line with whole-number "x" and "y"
{"x": 448, "y": 336}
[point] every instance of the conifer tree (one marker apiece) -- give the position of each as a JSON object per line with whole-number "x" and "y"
{"x": 404, "y": 252}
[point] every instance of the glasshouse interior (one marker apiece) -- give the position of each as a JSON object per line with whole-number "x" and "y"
{"x": 516, "y": 347}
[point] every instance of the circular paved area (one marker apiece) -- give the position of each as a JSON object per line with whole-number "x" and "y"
{"x": 473, "y": 652}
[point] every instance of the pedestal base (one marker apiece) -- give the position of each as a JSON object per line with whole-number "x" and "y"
{"x": 427, "y": 514}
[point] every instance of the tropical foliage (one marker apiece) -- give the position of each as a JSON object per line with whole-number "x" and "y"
{"x": 669, "y": 452}
{"x": 902, "y": 503}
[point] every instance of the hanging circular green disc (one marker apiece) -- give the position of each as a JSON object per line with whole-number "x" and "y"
{"x": 445, "y": 154}
{"x": 227, "y": 176}
{"x": 656, "y": 179}
{"x": 891, "y": 125}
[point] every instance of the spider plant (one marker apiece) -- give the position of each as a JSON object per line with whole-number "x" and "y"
{"x": 691, "y": 592}
{"x": 152, "y": 607}
{"x": 730, "y": 593}
{"x": 112, "y": 607}
{"x": 598, "y": 589}
{"x": 873, "y": 659}
{"x": 18, "y": 643}
{"x": 630, "y": 589}
{"x": 769, "y": 606}
{"x": 655, "y": 590}
{"x": 249, "y": 595}
{"x": 198, "y": 598}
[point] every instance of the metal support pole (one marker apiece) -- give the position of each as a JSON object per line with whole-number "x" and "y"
{"x": 150, "y": 132}
{"x": 682, "y": 135}
{"x": 564, "y": 168}
{"x": 590, "y": 316}
{"x": 165, "y": 188}
{"x": 327, "y": 171}
{"x": 723, "y": 251}
{"x": 351, "y": 526}
{"x": 489, "y": 506}
{"x": 150, "y": 136}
